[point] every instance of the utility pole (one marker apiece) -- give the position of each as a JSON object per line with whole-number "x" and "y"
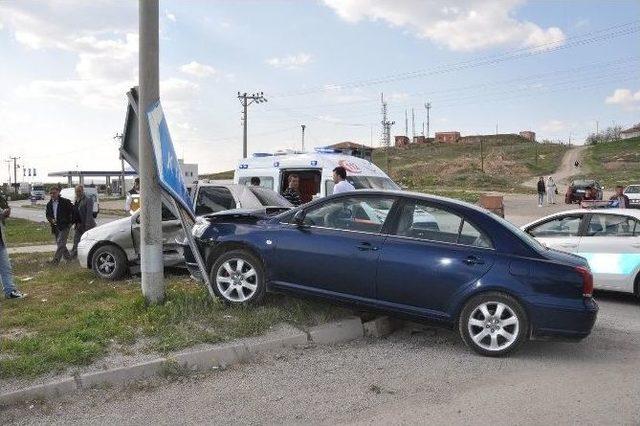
{"x": 152, "y": 267}
{"x": 386, "y": 125}
{"x": 428, "y": 107}
{"x": 413, "y": 125}
{"x": 303, "y": 127}
{"x": 8, "y": 171}
{"x": 406, "y": 124}
{"x": 597, "y": 128}
{"x": 15, "y": 173}
{"x": 119, "y": 136}
{"x": 481, "y": 155}
{"x": 247, "y": 100}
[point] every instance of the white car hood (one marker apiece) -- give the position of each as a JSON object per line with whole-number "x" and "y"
{"x": 104, "y": 232}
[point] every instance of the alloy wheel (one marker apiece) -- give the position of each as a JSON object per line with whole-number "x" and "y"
{"x": 106, "y": 263}
{"x": 493, "y": 326}
{"x": 237, "y": 280}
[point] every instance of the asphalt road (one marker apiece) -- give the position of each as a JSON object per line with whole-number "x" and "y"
{"x": 406, "y": 378}
{"x": 38, "y": 215}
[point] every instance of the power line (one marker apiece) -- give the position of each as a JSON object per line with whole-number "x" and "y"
{"x": 603, "y": 34}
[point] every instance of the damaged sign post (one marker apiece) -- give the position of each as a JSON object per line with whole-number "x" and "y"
{"x": 171, "y": 180}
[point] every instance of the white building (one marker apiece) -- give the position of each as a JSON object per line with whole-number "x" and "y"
{"x": 631, "y": 132}
{"x": 189, "y": 173}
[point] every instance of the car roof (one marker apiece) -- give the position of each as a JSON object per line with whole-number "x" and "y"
{"x": 611, "y": 211}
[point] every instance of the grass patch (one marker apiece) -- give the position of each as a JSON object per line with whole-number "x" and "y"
{"x": 508, "y": 161}
{"x": 70, "y": 318}
{"x": 22, "y": 232}
{"x": 613, "y": 163}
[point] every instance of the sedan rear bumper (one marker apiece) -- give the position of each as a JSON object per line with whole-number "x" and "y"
{"x": 563, "y": 323}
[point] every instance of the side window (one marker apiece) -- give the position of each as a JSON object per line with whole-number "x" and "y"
{"x": 563, "y": 226}
{"x": 212, "y": 199}
{"x": 366, "y": 214}
{"x": 607, "y": 225}
{"x": 265, "y": 181}
{"x": 427, "y": 222}
{"x": 167, "y": 214}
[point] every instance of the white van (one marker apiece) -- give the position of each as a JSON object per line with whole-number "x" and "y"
{"x": 70, "y": 194}
{"x": 315, "y": 171}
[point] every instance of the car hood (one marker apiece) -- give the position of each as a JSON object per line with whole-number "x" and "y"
{"x": 103, "y": 232}
{"x": 245, "y": 215}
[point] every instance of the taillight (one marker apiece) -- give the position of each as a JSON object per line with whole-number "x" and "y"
{"x": 587, "y": 281}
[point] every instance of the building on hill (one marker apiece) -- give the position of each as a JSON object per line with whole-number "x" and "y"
{"x": 352, "y": 148}
{"x": 401, "y": 141}
{"x": 421, "y": 139}
{"x": 447, "y": 137}
{"x": 529, "y": 135}
{"x": 631, "y": 132}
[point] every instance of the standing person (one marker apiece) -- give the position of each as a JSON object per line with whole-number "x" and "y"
{"x": 541, "y": 191}
{"x": 59, "y": 212}
{"x": 6, "y": 275}
{"x": 84, "y": 220}
{"x": 255, "y": 181}
{"x": 132, "y": 203}
{"x": 552, "y": 190}
{"x": 292, "y": 193}
{"x": 620, "y": 197}
{"x": 340, "y": 180}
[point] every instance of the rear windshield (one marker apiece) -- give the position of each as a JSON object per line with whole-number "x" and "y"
{"x": 38, "y": 188}
{"x": 633, "y": 189}
{"x": 582, "y": 183}
{"x": 523, "y": 236}
{"x": 269, "y": 198}
{"x": 366, "y": 182}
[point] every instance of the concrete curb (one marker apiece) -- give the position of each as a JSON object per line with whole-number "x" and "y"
{"x": 222, "y": 356}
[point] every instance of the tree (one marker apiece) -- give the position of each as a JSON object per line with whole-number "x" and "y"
{"x": 610, "y": 134}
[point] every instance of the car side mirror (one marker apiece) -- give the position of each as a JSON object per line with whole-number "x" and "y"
{"x": 298, "y": 218}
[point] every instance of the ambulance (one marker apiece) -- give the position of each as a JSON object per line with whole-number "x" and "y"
{"x": 315, "y": 170}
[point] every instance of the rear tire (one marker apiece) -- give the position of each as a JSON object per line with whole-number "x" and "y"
{"x": 109, "y": 262}
{"x": 493, "y": 324}
{"x": 237, "y": 278}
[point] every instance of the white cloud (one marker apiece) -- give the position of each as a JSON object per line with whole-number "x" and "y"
{"x": 625, "y": 98}
{"x": 470, "y": 25}
{"x": 290, "y": 62}
{"x": 554, "y": 126}
{"x": 198, "y": 70}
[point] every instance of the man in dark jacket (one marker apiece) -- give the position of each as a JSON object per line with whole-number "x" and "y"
{"x": 541, "y": 191}
{"x": 59, "y": 212}
{"x": 83, "y": 217}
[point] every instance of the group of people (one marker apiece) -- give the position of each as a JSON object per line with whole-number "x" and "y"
{"x": 62, "y": 215}
{"x": 548, "y": 189}
{"x": 292, "y": 193}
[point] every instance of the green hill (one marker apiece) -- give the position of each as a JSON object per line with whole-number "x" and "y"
{"x": 614, "y": 163}
{"x": 227, "y": 174}
{"x": 446, "y": 169}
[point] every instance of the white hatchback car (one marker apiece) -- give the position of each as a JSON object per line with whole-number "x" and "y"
{"x": 608, "y": 238}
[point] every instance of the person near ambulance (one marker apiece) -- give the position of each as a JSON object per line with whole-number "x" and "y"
{"x": 340, "y": 180}
{"x": 132, "y": 203}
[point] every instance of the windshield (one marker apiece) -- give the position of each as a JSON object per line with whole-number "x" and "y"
{"x": 632, "y": 189}
{"x": 582, "y": 183}
{"x": 269, "y": 198}
{"x": 372, "y": 182}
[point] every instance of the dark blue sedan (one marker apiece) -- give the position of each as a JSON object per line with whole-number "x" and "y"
{"x": 412, "y": 255}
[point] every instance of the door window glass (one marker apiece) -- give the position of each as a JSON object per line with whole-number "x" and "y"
{"x": 564, "y": 226}
{"x": 427, "y": 222}
{"x": 366, "y": 214}
{"x": 607, "y": 225}
{"x": 212, "y": 199}
{"x": 265, "y": 181}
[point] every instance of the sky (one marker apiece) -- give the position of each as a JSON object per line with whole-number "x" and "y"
{"x": 559, "y": 68}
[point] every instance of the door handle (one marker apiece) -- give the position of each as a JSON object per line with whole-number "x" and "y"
{"x": 365, "y": 246}
{"x": 473, "y": 260}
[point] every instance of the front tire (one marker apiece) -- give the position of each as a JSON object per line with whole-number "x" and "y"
{"x": 109, "y": 262}
{"x": 493, "y": 324}
{"x": 238, "y": 278}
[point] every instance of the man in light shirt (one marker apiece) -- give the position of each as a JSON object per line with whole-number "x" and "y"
{"x": 340, "y": 180}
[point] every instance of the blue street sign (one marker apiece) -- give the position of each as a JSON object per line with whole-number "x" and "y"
{"x": 167, "y": 165}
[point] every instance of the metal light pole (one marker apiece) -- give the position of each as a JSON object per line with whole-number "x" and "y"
{"x": 247, "y": 100}
{"x": 152, "y": 266}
